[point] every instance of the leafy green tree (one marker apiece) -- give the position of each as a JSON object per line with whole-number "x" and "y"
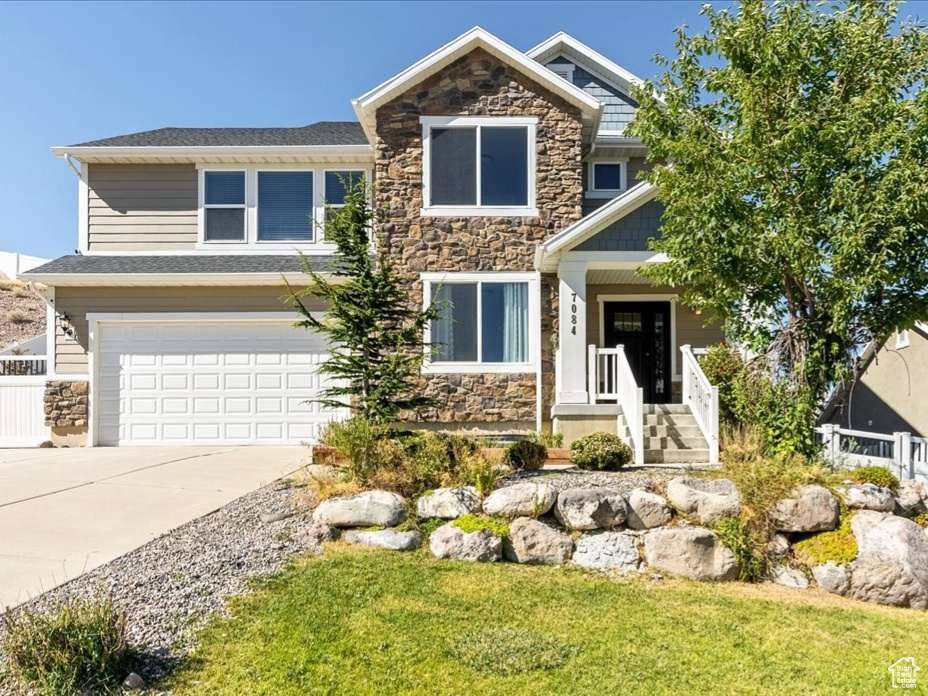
{"x": 797, "y": 191}
{"x": 373, "y": 330}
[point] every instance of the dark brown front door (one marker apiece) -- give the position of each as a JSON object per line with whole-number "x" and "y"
{"x": 643, "y": 328}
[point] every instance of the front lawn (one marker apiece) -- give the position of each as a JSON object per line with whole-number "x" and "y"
{"x": 367, "y": 622}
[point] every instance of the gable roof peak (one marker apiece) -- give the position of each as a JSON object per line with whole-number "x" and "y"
{"x": 563, "y": 44}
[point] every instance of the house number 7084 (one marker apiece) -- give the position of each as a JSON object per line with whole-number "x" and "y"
{"x": 573, "y": 313}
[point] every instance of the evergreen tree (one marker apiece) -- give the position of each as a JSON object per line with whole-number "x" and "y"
{"x": 374, "y": 331}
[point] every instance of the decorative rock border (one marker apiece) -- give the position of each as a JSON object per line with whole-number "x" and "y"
{"x": 607, "y": 529}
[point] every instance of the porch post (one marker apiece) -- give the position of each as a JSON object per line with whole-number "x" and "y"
{"x": 572, "y": 332}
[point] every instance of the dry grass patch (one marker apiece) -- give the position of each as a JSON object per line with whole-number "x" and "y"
{"x": 16, "y": 316}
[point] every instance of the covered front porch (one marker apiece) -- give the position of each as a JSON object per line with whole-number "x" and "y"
{"x": 626, "y": 360}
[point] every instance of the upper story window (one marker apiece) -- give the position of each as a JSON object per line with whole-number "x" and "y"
{"x": 224, "y": 206}
{"x": 607, "y": 179}
{"x": 274, "y": 208}
{"x": 478, "y": 165}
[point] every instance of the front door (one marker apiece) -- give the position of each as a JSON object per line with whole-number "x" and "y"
{"x": 643, "y": 328}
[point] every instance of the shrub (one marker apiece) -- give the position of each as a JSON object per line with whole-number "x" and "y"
{"x": 921, "y": 519}
{"x": 474, "y": 523}
{"x": 482, "y": 473}
{"x": 549, "y": 440}
{"x": 723, "y": 366}
{"x": 839, "y": 546}
{"x": 507, "y": 651}
{"x": 20, "y": 291}
{"x": 77, "y": 645}
{"x": 362, "y": 444}
{"x": 16, "y": 316}
{"x": 876, "y": 475}
{"x": 602, "y": 451}
{"x": 526, "y": 455}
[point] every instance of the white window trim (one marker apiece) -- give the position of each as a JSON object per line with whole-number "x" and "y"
{"x": 251, "y": 244}
{"x": 902, "y": 339}
{"x": 471, "y": 367}
{"x": 428, "y": 122}
{"x": 592, "y": 191}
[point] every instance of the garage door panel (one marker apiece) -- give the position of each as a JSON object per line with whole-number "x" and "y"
{"x": 204, "y": 383}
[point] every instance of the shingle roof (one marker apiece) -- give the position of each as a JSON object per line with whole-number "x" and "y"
{"x": 194, "y": 263}
{"x": 321, "y": 133}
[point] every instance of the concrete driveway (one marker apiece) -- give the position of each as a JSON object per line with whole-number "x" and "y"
{"x": 66, "y": 511}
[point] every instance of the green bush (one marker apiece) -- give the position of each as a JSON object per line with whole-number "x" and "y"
{"x": 507, "y": 651}
{"x": 749, "y": 550}
{"x": 525, "y": 455}
{"x": 474, "y": 523}
{"x": 77, "y": 645}
{"x": 876, "y": 475}
{"x": 601, "y": 451}
{"x": 362, "y": 445}
{"x": 549, "y": 440}
{"x": 839, "y": 546}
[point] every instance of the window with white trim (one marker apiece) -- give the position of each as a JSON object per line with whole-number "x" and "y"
{"x": 478, "y": 165}
{"x": 607, "y": 178}
{"x": 285, "y": 206}
{"x": 483, "y": 322}
{"x": 902, "y": 339}
{"x": 337, "y": 184}
{"x": 224, "y": 206}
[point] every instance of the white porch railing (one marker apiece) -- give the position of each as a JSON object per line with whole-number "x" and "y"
{"x": 22, "y": 411}
{"x": 703, "y": 400}
{"x": 611, "y": 379}
{"x": 22, "y": 365}
{"x": 902, "y": 453}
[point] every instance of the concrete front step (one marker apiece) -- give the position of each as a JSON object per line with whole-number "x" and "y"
{"x": 672, "y": 431}
{"x": 673, "y": 442}
{"x": 666, "y": 408}
{"x": 676, "y": 456}
{"x": 680, "y": 420}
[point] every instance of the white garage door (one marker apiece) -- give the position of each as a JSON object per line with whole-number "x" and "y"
{"x": 208, "y": 383}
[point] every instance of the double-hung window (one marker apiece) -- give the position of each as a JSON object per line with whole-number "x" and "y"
{"x": 607, "y": 179}
{"x": 337, "y": 184}
{"x": 484, "y": 323}
{"x": 224, "y": 206}
{"x": 478, "y": 165}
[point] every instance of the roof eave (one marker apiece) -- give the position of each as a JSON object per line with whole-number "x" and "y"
{"x": 164, "y": 279}
{"x": 367, "y": 104}
{"x": 89, "y": 153}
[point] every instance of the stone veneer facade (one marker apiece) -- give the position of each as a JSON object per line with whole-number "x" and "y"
{"x": 66, "y": 404}
{"x": 480, "y": 85}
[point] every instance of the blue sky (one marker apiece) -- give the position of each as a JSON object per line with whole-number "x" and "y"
{"x": 73, "y": 72}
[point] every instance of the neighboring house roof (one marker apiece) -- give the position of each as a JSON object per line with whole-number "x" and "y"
{"x": 192, "y": 269}
{"x": 548, "y": 254}
{"x": 366, "y": 105}
{"x": 322, "y": 133}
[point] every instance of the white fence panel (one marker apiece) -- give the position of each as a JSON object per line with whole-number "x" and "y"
{"x": 902, "y": 453}
{"x": 22, "y": 411}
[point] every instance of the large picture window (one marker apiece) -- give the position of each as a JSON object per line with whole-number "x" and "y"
{"x": 481, "y": 322}
{"x": 285, "y": 206}
{"x": 478, "y": 164}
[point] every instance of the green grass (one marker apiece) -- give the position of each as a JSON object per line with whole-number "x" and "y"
{"x": 369, "y": 622}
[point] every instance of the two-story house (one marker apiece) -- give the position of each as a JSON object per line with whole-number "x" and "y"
{"x": 510, "y": 190}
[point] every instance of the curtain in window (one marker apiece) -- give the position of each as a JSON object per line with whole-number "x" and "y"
{"x": 443, "y": 327}
{"x": 515, "y": 322}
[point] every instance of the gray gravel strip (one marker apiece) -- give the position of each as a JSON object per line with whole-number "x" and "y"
{"x": 624, "y": 481}
{"x": 170, "y": 586}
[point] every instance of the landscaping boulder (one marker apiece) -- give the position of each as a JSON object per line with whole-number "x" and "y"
{"x": 536, "y": 543}
{"x": 693, "y": 552}
{"x": 521, "y": 500}
{"x": 368, "y": 509}
{"x": 482, "y": 546}
{"x": 708, "y": 500}
{"x": 647, "y": 510}
{"x": 911, "y": 499}
{"x": 449, "y": 503}
{"x": 590, "y": 508}
{"x": 787, "y": 576}
{"x": 605, "y": 550}
{"x": 892, "y": 560}
{"x": 810, "y": 509}
{"x": 319, "y": 533}
{"x": 389, "y": 539}
{"x": 832, "y": 577}
{"x": 867, "y": 496}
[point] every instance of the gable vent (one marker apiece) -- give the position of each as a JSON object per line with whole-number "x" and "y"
{"x": 565, "y": 70}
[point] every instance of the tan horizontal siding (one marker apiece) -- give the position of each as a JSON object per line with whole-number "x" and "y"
{"x": 71, "y": 353}
{"x": 136, "y": 207}
{"x": 689, "y": 326}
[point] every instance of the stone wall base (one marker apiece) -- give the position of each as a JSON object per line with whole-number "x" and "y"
{"x": 69, "y": 436}
{"x": 475, "y": 429}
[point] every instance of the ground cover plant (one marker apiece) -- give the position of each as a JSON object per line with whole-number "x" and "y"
{"x": 367, "y": 622}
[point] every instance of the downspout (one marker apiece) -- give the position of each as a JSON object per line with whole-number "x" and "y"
{"x": 538, "y": 360}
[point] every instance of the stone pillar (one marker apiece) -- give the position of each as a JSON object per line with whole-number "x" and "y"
{"x": 572, "y": 333}
{"x": 66, "y": 404}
